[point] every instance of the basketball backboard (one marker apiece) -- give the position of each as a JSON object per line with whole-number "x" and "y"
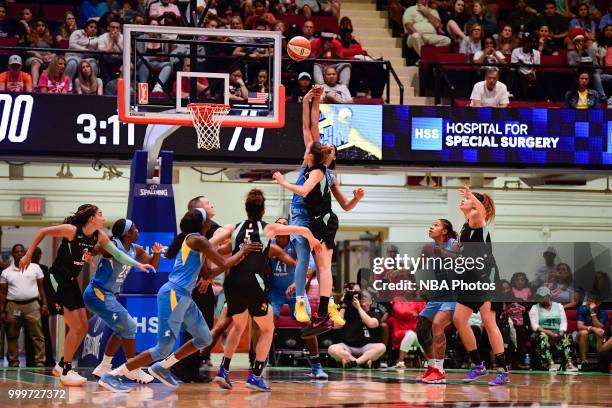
{"x": 166, "y": 67}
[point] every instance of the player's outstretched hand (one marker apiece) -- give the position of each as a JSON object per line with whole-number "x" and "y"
{"x": 24, "y": 262}
{"x": 146, "y": 268}
{"x": 358, "y": 193}
{"x": 278, "y": 177}
{"x": 315, "y": 245}
{"x": 317, "y": 90}
{"x": 290, "y": 290}
{"x": 157, "y": 248}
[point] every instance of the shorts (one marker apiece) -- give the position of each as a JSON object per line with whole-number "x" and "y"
{"x": 278, "y": 300}
{"x": 432, "y": 308}
{"x": 68, "y": 290}
{"x": 246, "y": 291}
{"x": 475, "y": 306}
{"x": 298, "y": 217}
{"x": 357, "y": 351}
{"x": 177, "y": 311}
{"x": 106, "y": 305}
{"x": 324, "y": 228}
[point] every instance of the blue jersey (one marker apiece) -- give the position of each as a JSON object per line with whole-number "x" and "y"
{"x": 186, "y": 268}
{"x": 443, "y": 275}
{"x": 111, "y": 273}
{"x": 297, "y": 201}
{"x": 282, "y": 275}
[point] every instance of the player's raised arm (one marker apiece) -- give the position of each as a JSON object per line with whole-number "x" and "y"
{"x": 314, "y": 178}
{"x": 60, "y": 231}
{"x": 346, "y": 203}
{"x": 317, "y": 91}
{"x": 306, "y": 133}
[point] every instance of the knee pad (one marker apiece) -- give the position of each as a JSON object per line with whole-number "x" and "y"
{"x": 162, "y": 349}
{"x": 409, "y": 341}
{"x": 126, "y": 329}
{"x": 424, "y": 332}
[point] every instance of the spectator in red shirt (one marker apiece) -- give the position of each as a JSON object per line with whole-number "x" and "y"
{"x": 349, "y": 47}
{"x": 15, "y": 80}
{"x": 53, "y": 79}
{"x": 261, "y": 13}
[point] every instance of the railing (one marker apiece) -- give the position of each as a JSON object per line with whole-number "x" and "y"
{"x": 441, "y": 70}
{"x": 367, "y": 67}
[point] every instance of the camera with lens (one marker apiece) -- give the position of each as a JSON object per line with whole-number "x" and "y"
{"x": 350, "y": 291}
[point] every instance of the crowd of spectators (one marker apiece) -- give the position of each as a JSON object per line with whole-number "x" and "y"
{"x": 58, "y": 48}
{"x": 531, "y": 32}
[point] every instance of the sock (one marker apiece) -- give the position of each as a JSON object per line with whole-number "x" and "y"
{"x": 67, "y": 367}
{"x": 431, "y": 362}
{"x": 314, "y": 360}
{"x": 439, "y": 364}
{"x": 475, "y": 357}
{"x": 169, "y": 361}
{"x": 120, "y": 371}
{"x": 323, "y": 306}
{"x": 226, "y": 363}
{"x": 107, "y": 360}
{"x": 500, "y": 361}
{"x": 257, "y": 368}
{"x": 61, "y": 362}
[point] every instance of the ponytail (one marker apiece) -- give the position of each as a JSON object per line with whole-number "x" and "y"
{"x": 255, "y": 204}
{"x": 191, "y": 223}
{"x": 82, "y": 215}
{"x": 320, "y": 152}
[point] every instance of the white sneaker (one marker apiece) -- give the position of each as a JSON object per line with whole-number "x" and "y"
{"x": 571, "y": 368}
{"x": 140, "y": 376}
{"x": 57, "y": 370}
{"x": 157, "y": 89}
{"x": 400, "y": 365}
{"x": 72, "y": 379}
{"x": 102, "y": 369}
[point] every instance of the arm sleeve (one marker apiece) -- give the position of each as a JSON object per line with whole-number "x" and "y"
{"x": 118, "y": 255}
{"x": 534, "y": 318}
{"x": 38, "y": 272}
{"x": 563, "y": 326}
{"x": 2, "y": 277}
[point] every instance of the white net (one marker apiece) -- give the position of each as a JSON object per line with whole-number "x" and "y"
{"x": 207, "y": 118}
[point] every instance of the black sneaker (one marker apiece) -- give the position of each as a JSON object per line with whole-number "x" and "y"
{"x": 317, "y": 326}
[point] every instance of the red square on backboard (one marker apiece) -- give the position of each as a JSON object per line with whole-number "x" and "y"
{"x": 143, "y": 93}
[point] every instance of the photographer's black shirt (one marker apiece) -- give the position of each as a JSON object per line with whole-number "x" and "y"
{"x": 355, "y": 333}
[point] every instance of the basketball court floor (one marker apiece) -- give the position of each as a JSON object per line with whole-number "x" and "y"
{"x": 291, "y": 387}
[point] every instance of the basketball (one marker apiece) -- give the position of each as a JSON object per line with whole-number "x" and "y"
{"x": 298, "y": 48}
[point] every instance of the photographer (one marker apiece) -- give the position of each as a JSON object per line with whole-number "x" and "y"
{"x": 359, "y": 335}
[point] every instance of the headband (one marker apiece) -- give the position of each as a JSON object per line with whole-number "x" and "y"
{"x": 204, "y": 216}
{"x": 128, "y": 226}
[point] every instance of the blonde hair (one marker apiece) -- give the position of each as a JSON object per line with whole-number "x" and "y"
{"x": 53, "y": 70}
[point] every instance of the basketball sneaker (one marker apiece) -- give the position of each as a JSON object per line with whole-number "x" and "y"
{"x": 301, "y": 312}
{"x": 102, "y": 369}
{"x": 435, "y": 377}
{"x": 316, "y": 372}
{"x": 57, "y": 370}
{"x": 164, "y": 375}
{"x": 425, "y": 374}
{"x": 257, "y": 383}
{"x": 317, "y": 326}
{"x": 401, "y": 365}
{"x": 72, "y": 379}
{"x": 113, "y": 383}
{"x": 501, "y": 378}
{"x": 334, "y": 314}
{"x": 139, "y": 376}
{"x": 475, "y": 373}
{"x": 222, "y": 379}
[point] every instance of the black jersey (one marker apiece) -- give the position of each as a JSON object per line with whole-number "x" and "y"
{"x": 476, "y": 243}
{"x": 248, "y": 232}
{"x": 69, "y": 258}
{"x": 318, "y": 200}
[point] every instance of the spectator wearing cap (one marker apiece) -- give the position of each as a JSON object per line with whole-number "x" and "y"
{"x": 581, "y": 97}
{"x": 22, "y": 301}
{"x": 85, "y": 39}
{"x": 584, "y": 21}
{"x": 526, "y": 85}
{"x": 545, "y": 274}
{"x": 15, "y": 80}
{"x": 304, "y": 83}
{"x": 161, "y": 7}
{"x": 556, "y": 23}
{"x": 490, "y": 92}
{"x": 583, "y": 56}
{"x": 422, "y": 23}
{"x": 334, "y": 92}
{"x": 592, "y": 319}
{"x": 549, "y": 326}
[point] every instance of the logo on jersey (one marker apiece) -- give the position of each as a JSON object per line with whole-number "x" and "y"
{"x": 167, "y": 333}
{"x": 115, "y": 316}
{"x": 426, "y": 134}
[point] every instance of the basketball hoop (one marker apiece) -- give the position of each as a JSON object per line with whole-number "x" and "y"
{"x": 207, "y": 118}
